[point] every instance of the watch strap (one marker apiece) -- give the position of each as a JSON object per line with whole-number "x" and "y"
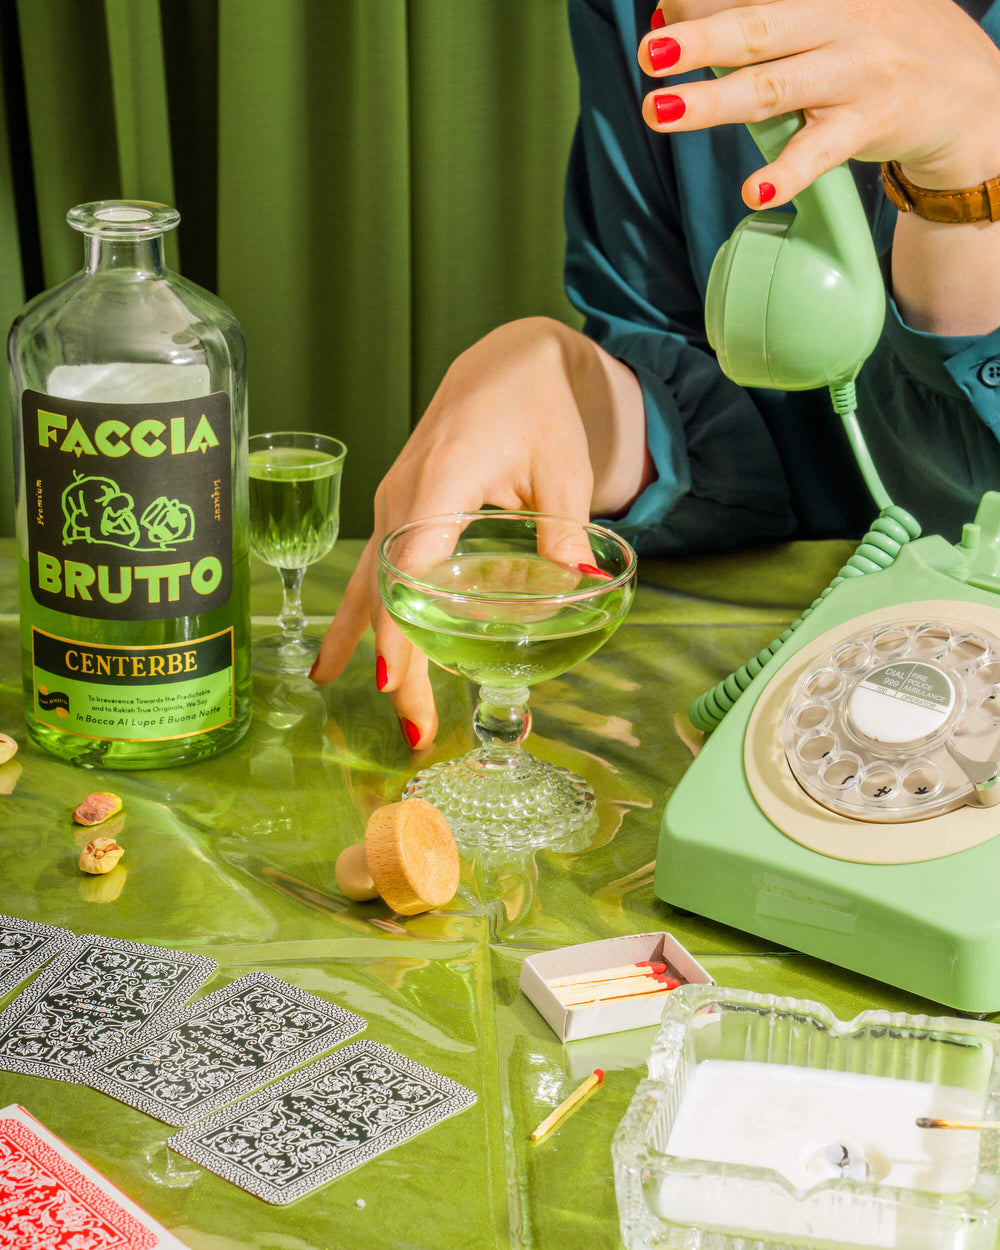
{"x": 969, "y": 204}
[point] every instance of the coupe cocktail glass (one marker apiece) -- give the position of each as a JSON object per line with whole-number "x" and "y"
{"x": 507, "y": 599}
{"x": 294, "y": 521}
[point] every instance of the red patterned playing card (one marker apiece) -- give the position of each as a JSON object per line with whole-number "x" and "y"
{"x": 48, "y": 1204}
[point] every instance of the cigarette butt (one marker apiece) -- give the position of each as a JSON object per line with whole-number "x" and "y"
{"x": 568, "y": 1104}
{"x": 927, "y": 1122}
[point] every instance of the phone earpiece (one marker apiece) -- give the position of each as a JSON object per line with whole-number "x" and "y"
{"x": 796, "y": 300}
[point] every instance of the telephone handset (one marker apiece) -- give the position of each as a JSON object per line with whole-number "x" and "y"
{"x": 843, "y": 803}
{"x": 796, "y": 300}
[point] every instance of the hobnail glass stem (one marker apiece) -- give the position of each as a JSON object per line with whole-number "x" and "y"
{"x": 501, "y": 723}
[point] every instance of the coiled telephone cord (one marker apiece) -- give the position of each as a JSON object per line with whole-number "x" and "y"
{"x": 891, "y": 530}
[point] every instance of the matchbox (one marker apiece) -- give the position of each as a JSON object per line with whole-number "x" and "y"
{"x": 613, "y": 1015}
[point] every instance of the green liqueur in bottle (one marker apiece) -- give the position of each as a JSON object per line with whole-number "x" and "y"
{"x": 130, "y": 453}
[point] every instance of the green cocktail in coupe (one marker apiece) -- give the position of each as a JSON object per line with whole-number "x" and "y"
{"x": 511, "y": 645}
{"x": 507, "y": 599}
{"x": 294, "y": 521}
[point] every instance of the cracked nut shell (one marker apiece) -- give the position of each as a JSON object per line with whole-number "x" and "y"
{"x": 100, "y": 855}
{"x": 96, "y": 808}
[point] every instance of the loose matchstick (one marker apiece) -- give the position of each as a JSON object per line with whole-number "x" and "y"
{"x": 643, "y": 968}
{"x": 926, "y": 1122}
{"x": 568, "y": 1104}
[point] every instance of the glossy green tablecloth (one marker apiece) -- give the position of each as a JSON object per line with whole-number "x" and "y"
{"x": 234, "y": 858}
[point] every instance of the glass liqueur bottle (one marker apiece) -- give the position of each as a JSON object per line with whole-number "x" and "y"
{"x": 129, "y": 411}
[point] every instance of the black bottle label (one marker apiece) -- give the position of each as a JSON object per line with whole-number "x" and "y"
{"x": 129, "y": 506}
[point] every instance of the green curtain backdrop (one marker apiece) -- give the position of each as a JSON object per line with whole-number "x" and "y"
{"x": 370, "y": 184}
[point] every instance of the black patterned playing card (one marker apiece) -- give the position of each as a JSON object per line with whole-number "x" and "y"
{"x": 25, "y": 946}
{"x": 98, "y": 992}
{"x": 320, "y": 1122}
{"x": 222, "y": 1047}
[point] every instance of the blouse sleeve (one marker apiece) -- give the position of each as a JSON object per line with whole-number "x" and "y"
{"x": 719, "y": 479}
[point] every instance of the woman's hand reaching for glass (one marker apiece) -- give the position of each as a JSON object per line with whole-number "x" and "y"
{"x": 534, "y": 416}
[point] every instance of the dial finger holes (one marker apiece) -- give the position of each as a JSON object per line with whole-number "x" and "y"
{"x": 811, "y": 716}
{"x": 825, "y": 683}
{"x": 817, "y": 747}
{"x": 922, "y": 780}
{"x": 890, "y": 642}
{"x": 851, "y": 657}
{"x": 840, "y": 773}
{"x": 989, "y": 674}
{"x": 879, "y": 783}
{"x": 968, "y": 652}
{"x": 990, "y": 704}
{"x": 930, "y": 641}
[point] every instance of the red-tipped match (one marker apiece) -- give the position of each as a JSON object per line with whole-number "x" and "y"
{"x": 599, "y": 1073}
{"x": 645, "y": 963}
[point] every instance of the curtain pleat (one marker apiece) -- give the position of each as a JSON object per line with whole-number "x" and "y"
{"x": 11, "y": 270}
{"x": 139, "y": 100}
{"x": 370, "y": 184}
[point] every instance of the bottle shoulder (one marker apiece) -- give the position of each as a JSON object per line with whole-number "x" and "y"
{"x": 107, "y": 318}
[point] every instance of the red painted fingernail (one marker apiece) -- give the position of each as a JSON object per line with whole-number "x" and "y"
{"x": 591, "y": 570}
{"x": 410, "y": 732}
{"x": 381, "y": 672}
{"x": 664, "y": 52}
{"x": 657, "y": 20}
{"x": 766, "y": 192}
{"x": 669, "y": 108}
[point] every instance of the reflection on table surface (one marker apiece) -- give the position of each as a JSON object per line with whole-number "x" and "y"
{"x": 233, "y": 858}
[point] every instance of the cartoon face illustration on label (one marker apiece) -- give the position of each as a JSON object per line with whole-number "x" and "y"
{"x": 167, "y": 521}
{"x": 97, "y": 510}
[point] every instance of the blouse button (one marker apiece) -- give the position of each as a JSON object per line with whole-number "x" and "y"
{"x": 989, "y": 372}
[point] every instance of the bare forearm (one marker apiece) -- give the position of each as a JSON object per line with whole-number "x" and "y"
{"x": 946, "y": 278}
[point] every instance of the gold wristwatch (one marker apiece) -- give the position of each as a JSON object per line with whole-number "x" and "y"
{"x": 980, "y": 203}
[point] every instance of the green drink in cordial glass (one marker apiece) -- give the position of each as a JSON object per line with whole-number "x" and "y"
{"x": 507, "y": 599}
{"x": 294, "y": 521}
{"x": 129, "y": 404}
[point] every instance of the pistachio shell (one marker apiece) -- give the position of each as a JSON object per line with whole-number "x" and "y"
{"x": 8, "y": 748}
{"x": 100, "y": 855}
{"x": 96, "y": 808}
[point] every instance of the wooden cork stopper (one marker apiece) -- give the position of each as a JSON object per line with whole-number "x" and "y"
{"x": 411, "y": 856}
{"x": 353, "y": 877}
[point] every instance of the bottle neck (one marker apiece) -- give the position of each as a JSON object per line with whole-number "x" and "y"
{"x": 139, "y": 257}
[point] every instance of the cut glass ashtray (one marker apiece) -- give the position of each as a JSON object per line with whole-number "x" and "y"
{"x": 769, "y": 1122}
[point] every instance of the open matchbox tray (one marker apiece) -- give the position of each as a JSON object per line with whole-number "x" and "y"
{"x": 570, "y": 1023}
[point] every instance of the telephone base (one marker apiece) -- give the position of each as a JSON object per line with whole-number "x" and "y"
{"x": 930, "y": 926}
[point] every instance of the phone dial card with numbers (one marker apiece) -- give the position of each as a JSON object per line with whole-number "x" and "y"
{"x": 95, "y": 995}
{"x": 222, "y": 1047}
{"x": 337, "y": 1113}
{"x": 25, "y": 946}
